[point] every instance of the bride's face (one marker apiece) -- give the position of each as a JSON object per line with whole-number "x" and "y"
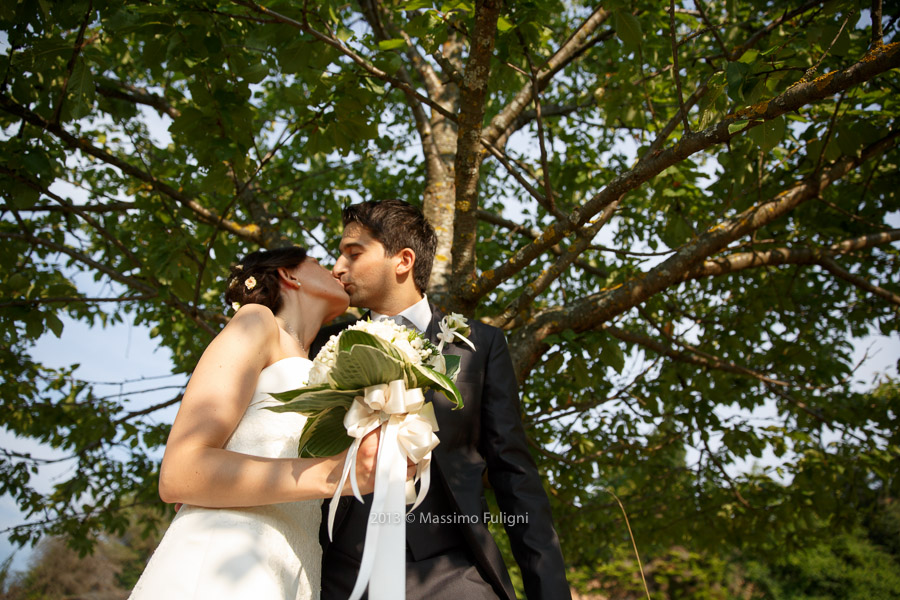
{"x": 318, "y": 282}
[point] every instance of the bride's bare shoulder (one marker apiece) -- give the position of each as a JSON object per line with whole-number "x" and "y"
{"x": 253, "y": 329}
{"x": 254, "y": 318}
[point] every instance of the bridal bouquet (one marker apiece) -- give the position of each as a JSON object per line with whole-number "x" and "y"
{"x": 373, "y": 374}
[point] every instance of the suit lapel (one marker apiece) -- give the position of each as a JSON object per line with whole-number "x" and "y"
{"x": 431, "y": 334}
{"x": 434, "y": 326}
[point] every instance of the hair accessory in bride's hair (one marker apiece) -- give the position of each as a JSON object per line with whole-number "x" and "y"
{"x": 238, "y": 267}
{"x": 235, "y": 306}
{"x": 250, "y": 282}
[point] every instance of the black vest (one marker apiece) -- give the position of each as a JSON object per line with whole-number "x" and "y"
{"x": 431, "y": 529}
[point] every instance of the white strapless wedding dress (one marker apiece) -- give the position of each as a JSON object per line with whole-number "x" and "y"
{"x": 267, "y": 552}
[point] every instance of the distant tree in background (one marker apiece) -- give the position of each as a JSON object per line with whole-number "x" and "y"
{"x": 56, "y": 571}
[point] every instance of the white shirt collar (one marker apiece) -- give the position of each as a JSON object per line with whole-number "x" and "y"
{"x": 419, "y": 314}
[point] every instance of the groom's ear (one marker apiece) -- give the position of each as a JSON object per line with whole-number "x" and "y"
{"x": 406, "y": 259}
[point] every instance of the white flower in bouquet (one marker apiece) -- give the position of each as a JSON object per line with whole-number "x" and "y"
{"x": 318, "y": 374}
{"x": 410, "y": 343}
{"x": 395, "y": 334}
{"x": 439, "y": 364}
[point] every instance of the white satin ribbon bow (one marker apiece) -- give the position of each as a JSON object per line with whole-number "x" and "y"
{"x": 407, "y": 432}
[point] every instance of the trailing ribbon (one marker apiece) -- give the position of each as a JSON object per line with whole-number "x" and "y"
{"x": 407, "y": 433}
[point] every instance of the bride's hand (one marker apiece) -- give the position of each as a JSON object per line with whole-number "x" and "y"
{"x": 365, "y": 465}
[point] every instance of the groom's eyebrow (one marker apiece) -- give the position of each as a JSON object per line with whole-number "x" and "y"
{"x": 348, "y": 245}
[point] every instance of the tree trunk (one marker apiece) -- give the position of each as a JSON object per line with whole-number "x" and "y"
{"x": 440, "y": 178}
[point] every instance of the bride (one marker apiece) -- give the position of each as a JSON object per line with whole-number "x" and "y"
{"x": 250, "y": 522}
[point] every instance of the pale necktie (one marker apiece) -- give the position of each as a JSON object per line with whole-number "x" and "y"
{"x": 400, "y": 320}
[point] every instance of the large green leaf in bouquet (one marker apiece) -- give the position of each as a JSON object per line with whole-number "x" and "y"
{"x": 351, "y": 338}
{"x": 363, "y": 366}
{"x": 324, "y": 435}
{"x": 310, "y": 401}
{"x": 429, "y": 378}
{"x": 452, "y": 362}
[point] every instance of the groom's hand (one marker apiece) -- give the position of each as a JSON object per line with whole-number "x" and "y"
{"x": 365, "y": 461}
{"x": 365, "y": 464}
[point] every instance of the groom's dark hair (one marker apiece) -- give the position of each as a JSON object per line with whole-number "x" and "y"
{"x": 398, "y": 225}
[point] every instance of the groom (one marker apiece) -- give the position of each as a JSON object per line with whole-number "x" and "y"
{"x": 387, "y": 250}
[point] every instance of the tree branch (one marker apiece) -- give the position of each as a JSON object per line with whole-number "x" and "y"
{"x": 835, "y": 269}
{"x": 713, "y": 28}
{"x": 740, "y": 261}
{"x": 148, "y": 410}
{"x": 332, "y": 41}
{"x": 877, "y": 31}
{"x": 605, "y": 304}
{"x": 527, "y": 116}
{"x": 545, "y": 165}
{"x": 113, "y": 274}
{"x": 111, "y": 207}
{"x": 739, "y": 50}
{"x": 433, "y": 132}
{"x": 812, "y": 70}
{"x": 136, "y": 95}
{"x": 70, "y": 208}
{"x": 468, "y": 149}
{"x": 512, "y": 170}
{"x": 534, "y": 233}
{"x": 689, "y": 355}
{"x": 876, "y": 62}
{"x": 70, "y": 67}
{"x": 83, "y": 259}
{"x": 731, "y": 483}
{"x": 548, "y": 276}
{"x": 250, "y": 233}
{"x": 75, "y": 299}
{"x": 675, "y": 69}
{"x": 801, "y": 256}
{"x": 385, "y": 29}
{"x": 372, "y": 14}
{"x": 565, "y": 54}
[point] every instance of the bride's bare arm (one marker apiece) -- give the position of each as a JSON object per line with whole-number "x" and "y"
{"x": 197, "y": 470}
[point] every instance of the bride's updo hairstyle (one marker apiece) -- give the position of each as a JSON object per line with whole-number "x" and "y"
{"x": 255, "y": 279}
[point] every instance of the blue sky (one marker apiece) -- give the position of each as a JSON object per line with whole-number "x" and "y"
{"x": 113, "y": 354}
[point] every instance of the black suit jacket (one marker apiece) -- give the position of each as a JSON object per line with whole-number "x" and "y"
{"x": 487, "y": 435}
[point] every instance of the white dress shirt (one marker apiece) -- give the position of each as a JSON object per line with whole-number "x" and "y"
{"x": 419, "y": 314}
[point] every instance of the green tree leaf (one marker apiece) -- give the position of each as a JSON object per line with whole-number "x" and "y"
{"x": 394, "y": 44}
{"x": 769, "y": 134}
{"x": 628, "y": 28}
{"x": 738, "y": 125}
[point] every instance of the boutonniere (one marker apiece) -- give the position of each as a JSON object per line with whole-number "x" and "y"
{"x": 454, "y": 327}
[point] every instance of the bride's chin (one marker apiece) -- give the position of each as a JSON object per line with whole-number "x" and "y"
{"x": 339, "y": 307}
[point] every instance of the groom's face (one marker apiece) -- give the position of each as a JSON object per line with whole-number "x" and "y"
{"x": 367, "y": 274}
